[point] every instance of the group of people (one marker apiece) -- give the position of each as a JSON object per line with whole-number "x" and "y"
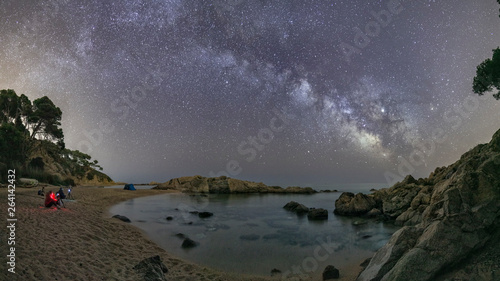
{"x": 54, "y": 199}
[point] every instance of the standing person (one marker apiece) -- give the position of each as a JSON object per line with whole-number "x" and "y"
{"x": 50, "y": 200}
{"x": 61, "y": 193}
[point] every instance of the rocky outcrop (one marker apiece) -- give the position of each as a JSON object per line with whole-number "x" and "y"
{"x": 349, "y": 204}
{"x": 199, "y": 184}
{"x": 449, "y": 219}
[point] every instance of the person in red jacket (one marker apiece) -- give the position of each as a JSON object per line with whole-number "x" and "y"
{"x": 50, "y": 200}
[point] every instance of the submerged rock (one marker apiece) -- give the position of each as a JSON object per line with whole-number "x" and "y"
{"x": 205, "y": 215}
{"x": 250, "y": 237}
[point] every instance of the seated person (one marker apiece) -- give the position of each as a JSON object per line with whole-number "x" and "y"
{"x": 41, "y": 192}
{"x": 50, "y": 200}
{"x": 61, "y": 193}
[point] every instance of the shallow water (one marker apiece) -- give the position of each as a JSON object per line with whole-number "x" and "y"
{"x": 253, "y": 234}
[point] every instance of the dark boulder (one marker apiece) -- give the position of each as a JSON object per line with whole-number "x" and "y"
{"x": 188, "y": 243}
{"x": 205, "y": 215}
{"x": 330, "y": 273}
{"x": 349, "y": 204}
{"x": 122, "y": 218}
{"x": 317, "y": 214}
{"x": 152, "y": 269}
{"x": 296, "y": 207}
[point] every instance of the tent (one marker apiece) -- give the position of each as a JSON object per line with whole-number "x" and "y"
{"x": 129, "y": 187}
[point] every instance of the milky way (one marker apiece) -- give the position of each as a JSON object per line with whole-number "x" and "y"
{"x": 284, "y": 92}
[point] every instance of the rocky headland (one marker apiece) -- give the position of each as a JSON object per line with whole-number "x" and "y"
{"x": 450, "y": 221}
{"x": 222, "y": 185}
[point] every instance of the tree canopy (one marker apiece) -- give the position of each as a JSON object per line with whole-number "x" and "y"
{"x": 26, "y": 126}
{"x": 487, "y": 77}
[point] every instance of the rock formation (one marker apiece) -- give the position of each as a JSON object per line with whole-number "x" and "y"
{"x": 296, "y": 207}
{"x": 152, "y": 269}
{"x": 199, "y": 184}
{"x": 449, "y": 220}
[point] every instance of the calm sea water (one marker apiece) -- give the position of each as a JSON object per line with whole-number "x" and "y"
{"x": 253, "y": 234}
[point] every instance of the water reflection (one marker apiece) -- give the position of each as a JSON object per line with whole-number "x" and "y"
{"x": 253, "y": 233}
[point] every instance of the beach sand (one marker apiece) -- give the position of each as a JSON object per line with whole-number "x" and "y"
{"x": 83, "y": 242}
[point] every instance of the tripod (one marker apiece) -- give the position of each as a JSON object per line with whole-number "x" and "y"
{"x": 69, "y": 196}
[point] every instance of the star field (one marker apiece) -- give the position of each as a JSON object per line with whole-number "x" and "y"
{"x": 284, "y": 92}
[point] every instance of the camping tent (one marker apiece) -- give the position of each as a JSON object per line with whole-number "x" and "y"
{"x": 129, "y": 187}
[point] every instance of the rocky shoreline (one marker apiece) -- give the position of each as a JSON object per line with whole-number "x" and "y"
{"x": 226, "y": 185}
{"x": 450, "y": 221}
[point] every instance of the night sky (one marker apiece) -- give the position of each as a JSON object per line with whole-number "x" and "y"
{"x": 285, "y": 92}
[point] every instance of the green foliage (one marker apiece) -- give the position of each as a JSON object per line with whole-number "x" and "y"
{"x": 37, "y": 163}
{"x": 488, "y": 76}
{"x": 12, "y": 143}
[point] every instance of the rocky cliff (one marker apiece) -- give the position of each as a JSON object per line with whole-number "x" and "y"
{"x": 451, "y": 221}
{"x": 199, "y": 184}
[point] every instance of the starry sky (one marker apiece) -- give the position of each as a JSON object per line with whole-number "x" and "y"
{"x": 285, "y": 92}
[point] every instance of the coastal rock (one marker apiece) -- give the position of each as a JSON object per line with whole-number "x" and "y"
{"x": 452, "y": 222}
{"x": 317, "y": 214}
{"x": 349, "y": 204}
{"x": 122, "y": 218}
{"x": 330, "y": 273}
{"x": 152, "y": 269}
{"x": 188, "y": 243}
{"x": 374, "y": 213}
{"x": 224, "y": 185}
{"x": 169, "y": 218}
{"x": 296, "y": 207}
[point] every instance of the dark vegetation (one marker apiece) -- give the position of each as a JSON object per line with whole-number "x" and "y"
{"x": 32, "y": 142}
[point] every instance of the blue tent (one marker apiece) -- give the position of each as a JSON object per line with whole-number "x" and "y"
{"x": 129, "y": 187}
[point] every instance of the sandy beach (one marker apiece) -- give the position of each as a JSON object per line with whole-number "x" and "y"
{"x": 83, "y": 242}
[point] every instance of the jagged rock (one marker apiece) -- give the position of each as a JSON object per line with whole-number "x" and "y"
{"x": 349, "y": 204}
{"x": 152, "y": 269}
{"x": 296, "y": 207}
{"x": 330, "y": 273}
{"x": 455, "y": 220}
{"x": 122, "y": 218}
{"x": 317, "y": 214}
{"x": 188, "y": 243}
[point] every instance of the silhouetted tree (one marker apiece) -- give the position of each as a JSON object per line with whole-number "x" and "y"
{"x": 46, "y": 119}
{"x": 488, "y": 76}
